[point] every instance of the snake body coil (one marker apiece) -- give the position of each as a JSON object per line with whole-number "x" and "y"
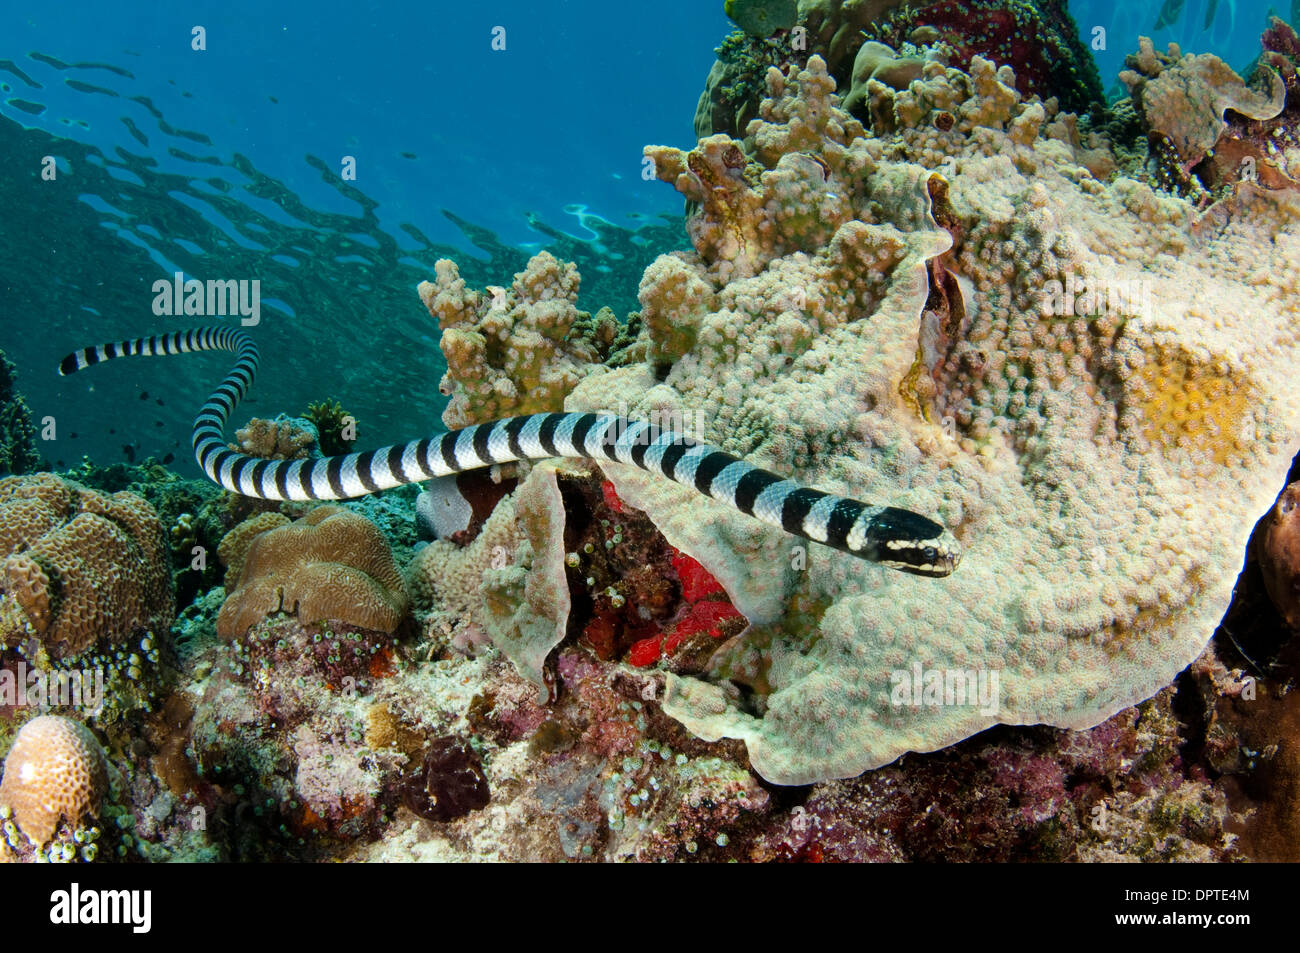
{"x": 899, "y": 539}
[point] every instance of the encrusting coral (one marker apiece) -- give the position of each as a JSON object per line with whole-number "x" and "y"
{"x": 79, "y": 566}
{"x": 1012, "y": 345}
{"x": 55, "y": 772}
{"x": 331, "y": 564}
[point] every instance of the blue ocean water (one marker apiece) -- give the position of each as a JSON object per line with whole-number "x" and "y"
{"x": 227, "y": 162}
{"x": 479, "y": 132}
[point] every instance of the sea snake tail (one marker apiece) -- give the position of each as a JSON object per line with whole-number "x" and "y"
{"x": 899, "y": 539}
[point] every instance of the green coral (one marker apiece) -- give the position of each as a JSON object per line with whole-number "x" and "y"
{"x": 18, "y": 453}
{"x": 330, "y": 421}
{"x": 747, "y": 59}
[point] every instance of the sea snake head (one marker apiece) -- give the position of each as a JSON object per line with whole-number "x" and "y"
{"x": 903, "y": 540}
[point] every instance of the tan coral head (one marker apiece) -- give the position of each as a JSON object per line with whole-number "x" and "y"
{"x": 56, "y": 771}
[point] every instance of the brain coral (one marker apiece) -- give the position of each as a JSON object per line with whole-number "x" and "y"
{"x": 234, "y": 546}
{"x": 331, "y": 564}
{"x": 55, "y": 771}
{"x": 79, "y": 565}
{"x": 1092, "y": 388}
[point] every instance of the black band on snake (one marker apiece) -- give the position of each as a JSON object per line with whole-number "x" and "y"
{"x": 897, "y": 538}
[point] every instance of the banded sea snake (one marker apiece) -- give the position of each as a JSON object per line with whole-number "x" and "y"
{"x": 897, "y": 538}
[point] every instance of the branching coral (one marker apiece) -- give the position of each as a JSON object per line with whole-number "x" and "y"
{"x": 284, "y": 438}
{"x": 509, "y": 351}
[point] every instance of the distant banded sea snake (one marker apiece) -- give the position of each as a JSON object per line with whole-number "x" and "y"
{"x": 899, "y": 539}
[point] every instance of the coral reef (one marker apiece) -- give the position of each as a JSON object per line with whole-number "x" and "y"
{"x": 1116, "y": 793}
{"x": 1037, "y": 38}
{"x": 905, "y": 336}
{"x": 55, "y": 772}
{"x": 982, "y": 309}
{"x": 80, "y": 567}
{"x": 330, "y": 564}
{"x": 279, "y": 736}
{"x": 511, "y": 351}
{"x": 734, "y": 86}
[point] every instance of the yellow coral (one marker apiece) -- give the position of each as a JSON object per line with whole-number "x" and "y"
{"x": 1195, "y": 408}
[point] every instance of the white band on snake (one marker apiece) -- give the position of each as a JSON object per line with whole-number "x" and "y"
{"x": 897, "y": 538}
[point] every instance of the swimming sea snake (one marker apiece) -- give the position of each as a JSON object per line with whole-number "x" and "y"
{"x": 896, "y": 538}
